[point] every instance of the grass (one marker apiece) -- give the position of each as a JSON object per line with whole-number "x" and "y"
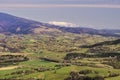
{"x": 55, "y": 48}
{"x": 37, "y": 63}
{"x": 57, "y": 74}
{"x": 113, "y": 78}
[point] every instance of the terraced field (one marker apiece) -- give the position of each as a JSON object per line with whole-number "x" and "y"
{"x": 38, "y": 57}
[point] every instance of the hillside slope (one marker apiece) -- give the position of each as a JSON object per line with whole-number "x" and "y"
{"x": 102, "y": 47}
{"x": 16, "y": 25}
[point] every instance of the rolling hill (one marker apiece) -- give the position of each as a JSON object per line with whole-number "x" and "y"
{"x": 104, "y": 47}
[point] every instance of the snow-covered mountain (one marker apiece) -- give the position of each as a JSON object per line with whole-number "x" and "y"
{"x": 63, "y": 24}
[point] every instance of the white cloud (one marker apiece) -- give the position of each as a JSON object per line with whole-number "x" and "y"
{"x": 65, "y": 24}
{"x": 58, "y": 5}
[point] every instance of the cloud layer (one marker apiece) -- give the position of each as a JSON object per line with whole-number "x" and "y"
{"x": 59, "y": 5}
{"x": 65, "y": 24}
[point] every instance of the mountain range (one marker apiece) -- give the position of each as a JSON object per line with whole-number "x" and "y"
{"x": 10, "y": 24}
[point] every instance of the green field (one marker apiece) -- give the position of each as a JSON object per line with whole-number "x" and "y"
{"x": 47, "y": 70}
{"x": 45, "y": 57}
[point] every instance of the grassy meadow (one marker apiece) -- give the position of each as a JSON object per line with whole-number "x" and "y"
{"x": 38, "y": 57}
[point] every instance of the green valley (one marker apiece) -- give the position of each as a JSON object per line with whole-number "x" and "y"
{"x": 57, "y": 57}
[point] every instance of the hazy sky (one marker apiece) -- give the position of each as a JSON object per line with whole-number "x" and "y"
{"x": 89, "y": 13}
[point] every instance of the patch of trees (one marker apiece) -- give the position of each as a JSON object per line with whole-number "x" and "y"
{"x": 42, "y": 69}
{"x": 90, "y": 55}
{"x": 102, "y": 43}
{"x": 110, "y": 54}
{"x": 114, "y": 64}
{"x": 87, "y": 71}
{"x": 75, "y": 55}
{"x": 32, "y": 70}
{"x": 50, "y": 60}
{"x": 22, "y": 72}
{"x": 81, "y": 76}
{"x": 11, "y": 59}
{"x": 62, "y": 65}
{"x": 104, "y": 49}
{"x": 113, "y": 74}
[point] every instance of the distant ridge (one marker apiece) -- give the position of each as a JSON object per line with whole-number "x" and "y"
{"x": 10, "y": 24}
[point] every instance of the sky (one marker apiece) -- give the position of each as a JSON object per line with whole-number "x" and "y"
{"x": 98, "y": 14}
